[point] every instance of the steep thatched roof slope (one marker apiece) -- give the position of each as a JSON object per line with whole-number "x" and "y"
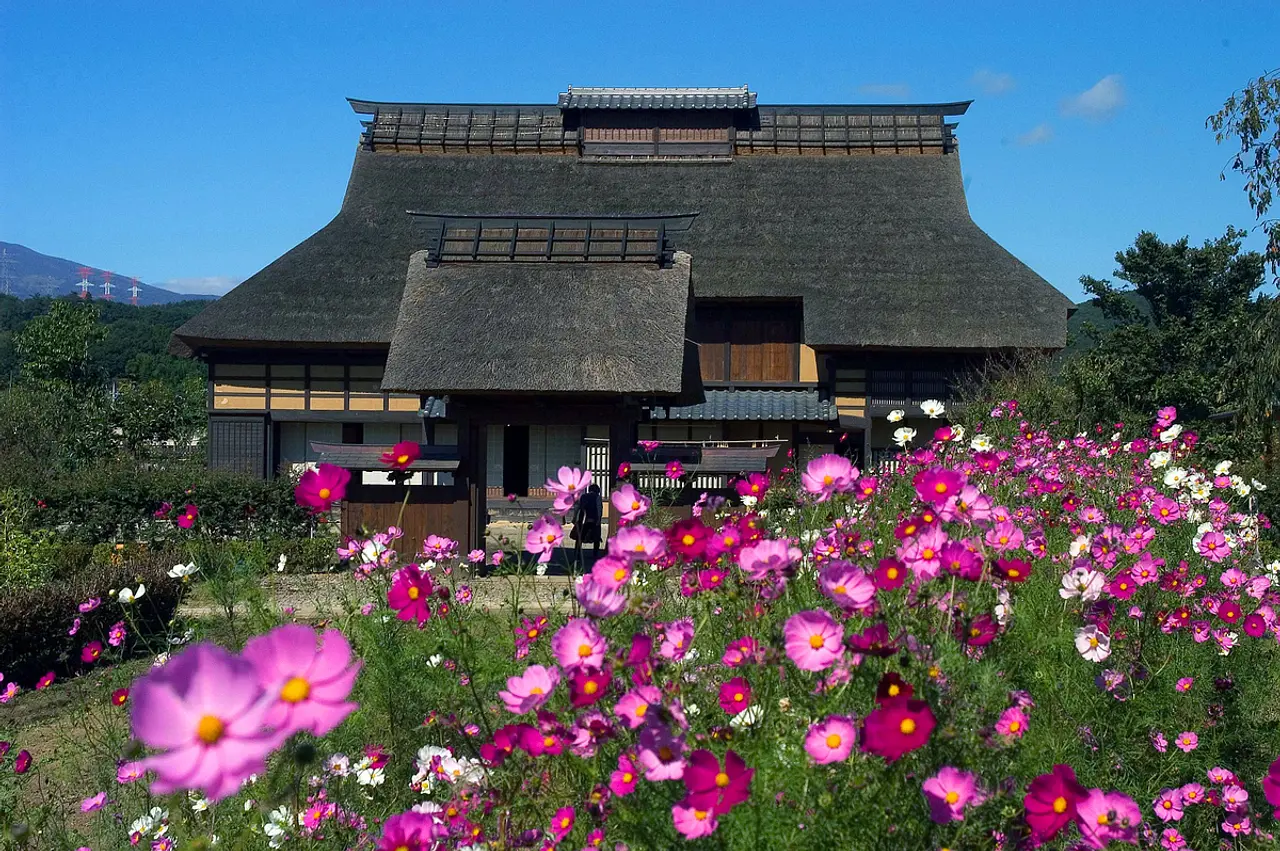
{"x": 880, "y": 248}
{"x": 550, "y": 327}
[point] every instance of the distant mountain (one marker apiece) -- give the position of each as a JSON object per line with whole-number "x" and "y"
{"x": 31, "y": 273}
{"x": 1089, "y": 313}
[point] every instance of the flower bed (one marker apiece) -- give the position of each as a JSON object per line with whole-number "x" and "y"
{"x": 1015, "y": 639}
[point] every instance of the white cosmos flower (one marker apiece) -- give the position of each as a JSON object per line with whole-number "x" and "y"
{"x": 1159, "y": 459}
{"x": 957, "y": 433}
{"x": 1223, "y": 468}
{"x": 748, "y": 499}
{"x": 1115, "y": 437}
{"x": 182, "y": 571}
{"x": 284, "y": 559}
{"x": 1174, "y": 477}
{"x": 903, "y": 436}
{"x": 933, "y": 408}
{"x": 981, "y": 443}
{"x": 1083, "y": 583}
{"x": 371, "y": 777}
{"x": 339, "y": 765}
{"x": 199, "y": 805}
{"x": 896, "y": 415}
{"x": 1079, "y": 545}
{"x": 1171, "y": 433}
{"x": 128, "y": 596}
{"x": 1257, "y": 485}
{"x": 1201, "y": 491}
{"x": 1242, "y": 489}
{"x": 1093, "y": 644}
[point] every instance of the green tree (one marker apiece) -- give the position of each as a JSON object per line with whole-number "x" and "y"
{"x": 54, "y": 349}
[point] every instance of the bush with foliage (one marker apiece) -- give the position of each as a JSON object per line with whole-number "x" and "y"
{"x": 1014, "y": 638}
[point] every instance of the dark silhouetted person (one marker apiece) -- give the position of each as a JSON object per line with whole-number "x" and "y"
{"x": 586, "y": 522}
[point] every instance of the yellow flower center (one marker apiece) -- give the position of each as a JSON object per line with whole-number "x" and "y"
{"x": 907, "y": 726}
{"x": 619, "y": 574}
{"x": 635, "y": 505}
{"x": 1103, "y": 818}
{"x": 295, "y": 691}
{"x": 894, "y": 690}
{"x": 639, "y": 548}
{"x": 324, "y": 493}
{"x": 940, "y": 487}
{"x": 548, "y": 741}
{"x": 728, "y": 541}
{"x": 210, "y": 729}
{"x": 755, "y": 489}
{"x": 739, "y": 697}
{"x": 700, "y": 815}
{"x": 536, "y": 690}
{"x": 1014, "y": 573}
{"x": 641, "y": 710}
{"x": 402, "y": 459}
{"x": 909, "y": 531}
{"x": 722, "y": 780}
{"x": 627, "y": 777}
{"x": 892, "y": 573}
{"x": 564, "y": 822}
{"x": 839, "y": 589}
{"x": 414, "y": 592}
{"x": 952, "y": 797}
{"x": 816, "y": 641}
{"x": 533, "y": 633}
{"x": 1093, "y": 642}
{"x": 570, "y": 487}
{"x": 590, "y": 687}
{"x": 1059, "y": 805}
{"x": 551, "y": 538}
{"x": 833, "y": 741}
{"x": 926, "y": 553}
{"x": 1015, "y": 726}
{"x": 1168, "y": 805}
{"x": 826, "y": 480}
{"x": 688, "y": 539}
{"x": 584, "y": 650}
{"x": 665, "y": 754}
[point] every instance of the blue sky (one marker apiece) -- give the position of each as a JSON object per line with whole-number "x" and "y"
{"x": 190, "y": 144}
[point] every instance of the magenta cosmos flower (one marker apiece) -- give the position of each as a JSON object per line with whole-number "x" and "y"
{"x": 813, "y": 640}
{"x": 562, "y": 823}
{"x": 91, "y": 652}
{"x": 402, "y": 455}
{"x": 187, "y": 518}
{"x": 847, "y": 585}
{"x": 311, "y": 683}
{"x": 634, "y": 705}
{"x": 827, "y": 475}
{"x": 1271, "y": 787}
{"x": 22, "y": 763}
{"x": 320, "y": 488}
{"x": 1106, "y": 817}
{"x": 206, "y": 712}
{"x": 938, "y": 484}
{"x": 544, "y": 536}
{"x": 693, "y": 823}
{"x": 579, "y": 643}
{"x": 660, "y": 753}
{"x": 1051, "y": 801}
{"x": 1012, "y": 723}
{"x": 412, "y": 831}
{"x": 831, "y": 740}
{"x": 948, "y": 793}
{"x": 897, "y": 727}
{"x": 630, "y": 504}
{"x": 410, "y": 595}
{"x": 712, "y": 787}
{"x": 735, "y": 695}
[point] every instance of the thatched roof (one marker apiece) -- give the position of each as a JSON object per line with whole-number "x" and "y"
{"x": 880, "y": 248}
{"x": 505, "y": 327}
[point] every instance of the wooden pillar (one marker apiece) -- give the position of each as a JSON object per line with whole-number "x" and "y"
{"x": 623, "y": 432}
{"x": 470, "y": 478}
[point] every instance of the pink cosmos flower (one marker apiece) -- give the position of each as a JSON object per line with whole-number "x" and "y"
{"x": 1187, "y": 742}
{"x": 206, "y": 712}
{"x": 1237, "y": 826}
{"x": 1168, "y": 805}
{"x": 1192, "y": 793}
{"x": 402, "y": 455}
{"x": 569, "y": 484}
{"x": 828, "y": 475}
{"x": 1172, "y": 840}
{"x": 127, "y": 772}
{"x": 660, "y": 753}
{"x": 896, "y": 727}
{"x": 735, "y": 696}
{"x": 94, "y": 802}
{"x": 813, "y": 640}
{"x": 577, "y": 643}
{"x": 740, "y": 652}
{"x": 948, "y": 793}
{"x": 847, "y": 585}
{"x": 91, "y": 652}
{"x": 630, "y": 504}
{"x": 1213, "y": 546}
{"x": 622, "y": 782}
{"x": 562, "y": 823}
{"x": 319, "y": 489}
{"x": 1235, "y": 798}
{"x": 598, "y": 599}
{"x": 677, "y": 639}
{"x": 75, "y": 627}
{"x": 611, "y": 571}
{"x": 187, "y": 518}
{"x": 638, "y": 543}
{"x": 90, "y": 605}
{"x": 1012, "y": 723}
{"x": 545, "y": 535}
{"x": 831, "y": 740}
{"x": 1051, "y": 801}
{"x": 22, "y": 762}
{"x": 634, "y": 706}
{"x": 45, "y": 681}
{"x": 938, "y": 484}
{"x": 410, "y": 595}
{"x": 1184, "y": 684}
{"x": 588, "y": 685}
{"x": 117, "y": 634}
{"x": 710, "y": 786}
{"x": 768, "y": 559}
{"x": 1271, "y": 787}
{"x": 311, "y": 684}
{"x": 412, "y": 831}
{"x": 1106, "y": 817}
{"x": 693, "y": 823}
{"x": 674, "y": 469}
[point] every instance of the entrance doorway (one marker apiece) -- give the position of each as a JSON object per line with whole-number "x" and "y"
{"x": 515, "y": 460}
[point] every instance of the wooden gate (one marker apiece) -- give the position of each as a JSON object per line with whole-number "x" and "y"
{"x": 442, "y": 510}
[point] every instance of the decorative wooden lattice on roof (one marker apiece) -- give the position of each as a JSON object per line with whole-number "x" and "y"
{"x": 685, "y": 125}
{"x": 603, "y": 97}
{"x": 564, "y": 239}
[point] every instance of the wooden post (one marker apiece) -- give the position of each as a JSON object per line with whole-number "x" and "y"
{"x": 622, "y": 439}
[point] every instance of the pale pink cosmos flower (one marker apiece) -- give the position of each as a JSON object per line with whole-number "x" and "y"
{"x": 949, "y": 792}
{"x": 75, "y": 627}
{"x": 1235, "y": 798}
{"x": 1237, "y": 826}
{"x": 660, "y": 752}
{"x": 814, "y": 641}
{"x": 677, "y": 638}
{"x": 545, "y": 535}
{"x": 1092, "y": 643}
{"x": 531, "y": 689}
{"x": 638, "y": 543}
{"x": 611, "y": 571}
{"x": 599, "y": 599}
{"x": 94, "y": 802}
{"x": 90, "y": 605}
{"x": 206, "y": 712}
{"x": 1172, "y": 840}
{"x": 828, "y": 475}
{"x": 768, "y": 559}
{"x": 1168, "y": 805}
{"x": 831, "y": 740}
{"x": 1187, "y": 742}
{"x": 633, "y": 708}
{"x": 577, "y": 643}
{"x": 569, "y": 484}
{"x": 1192, "y": 793}
{"x": 128, "y": 772}
{"x": 693, "y": 823}
{"x": 847, "y": 585}
{"x": 630, "y": 504}
{"x": 9, "y": 693}
{"x": 310, "y": 684}
{"x": 1106, "y": 817}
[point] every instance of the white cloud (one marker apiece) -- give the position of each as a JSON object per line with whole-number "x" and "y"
{"x": 1037, "y": 135}
{"x": 992, "y": 82}
{"x": 207, "y": 285}
{"x": 886, "y": 90}
{"x": 1099, "y": 102}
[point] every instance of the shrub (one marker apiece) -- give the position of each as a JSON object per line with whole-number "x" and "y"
{"x": 34, "y": 622}
{"x": 27, "y": 556}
